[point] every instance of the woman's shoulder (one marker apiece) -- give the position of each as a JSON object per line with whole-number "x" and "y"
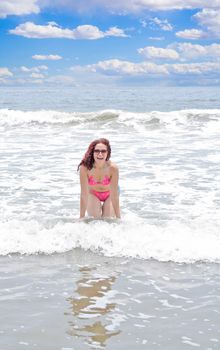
{"x": 113, "y": 166}
{"x": 83, "y": 169}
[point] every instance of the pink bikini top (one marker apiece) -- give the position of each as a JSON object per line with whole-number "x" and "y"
{"x": 92, "y": 182}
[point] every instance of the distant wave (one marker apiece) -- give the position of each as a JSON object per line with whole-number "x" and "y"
{"x": 152, "y": 119}
{"x": 129, "y": 238}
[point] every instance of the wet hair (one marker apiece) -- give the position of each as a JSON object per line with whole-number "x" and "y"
{"x": 88, "y": 159}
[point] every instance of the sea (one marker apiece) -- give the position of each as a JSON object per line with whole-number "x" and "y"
{"x": 148, "y": 281}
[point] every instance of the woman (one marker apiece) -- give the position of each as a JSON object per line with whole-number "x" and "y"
{"x": 99, "y": 182}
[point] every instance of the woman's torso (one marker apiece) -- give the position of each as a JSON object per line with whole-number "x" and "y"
{"x": 99, "y": 179}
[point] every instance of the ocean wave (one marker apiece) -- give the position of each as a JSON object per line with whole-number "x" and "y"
{"x": 49, "y": 117}
{"x": 152, "y": 119}
{"x": 129, "y": 238}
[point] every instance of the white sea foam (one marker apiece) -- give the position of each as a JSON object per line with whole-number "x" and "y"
{"x": 129, "y": 238}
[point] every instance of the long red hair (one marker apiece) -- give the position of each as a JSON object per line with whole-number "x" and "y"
{"x": 88, "y": 159}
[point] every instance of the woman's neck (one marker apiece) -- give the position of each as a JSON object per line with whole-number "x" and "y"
{"x": 99, "y": 166}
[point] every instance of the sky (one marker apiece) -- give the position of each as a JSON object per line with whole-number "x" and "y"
{"x": 146, "y": 42}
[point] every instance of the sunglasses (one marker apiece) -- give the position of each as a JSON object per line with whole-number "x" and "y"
{"x": 103, "y": 151}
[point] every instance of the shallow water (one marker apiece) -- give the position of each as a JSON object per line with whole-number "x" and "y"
{"x": 81, "y": 300}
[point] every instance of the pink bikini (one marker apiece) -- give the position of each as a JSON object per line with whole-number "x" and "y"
{"x": 102, "y": 196}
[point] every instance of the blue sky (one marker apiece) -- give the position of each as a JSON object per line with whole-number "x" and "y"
{"x": 70, "y": 42}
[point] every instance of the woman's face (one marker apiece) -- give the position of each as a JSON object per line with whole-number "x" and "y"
{"x": 100, "y": 153}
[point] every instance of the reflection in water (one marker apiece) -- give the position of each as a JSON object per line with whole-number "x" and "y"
{"x": 91, "y": 307}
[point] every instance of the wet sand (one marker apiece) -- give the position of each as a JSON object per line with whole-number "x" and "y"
{"x": 80, "y": 300}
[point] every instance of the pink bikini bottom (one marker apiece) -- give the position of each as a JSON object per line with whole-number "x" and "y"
{"x": 102, "y": 196}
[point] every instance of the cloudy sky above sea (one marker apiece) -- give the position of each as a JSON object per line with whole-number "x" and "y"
{"x": 72, "y": 42}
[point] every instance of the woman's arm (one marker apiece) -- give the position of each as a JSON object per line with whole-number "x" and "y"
{"x": 114, "y": 191}
{"x": 84, "y": 191}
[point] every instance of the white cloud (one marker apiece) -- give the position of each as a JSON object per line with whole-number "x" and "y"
{"x": 158, "y": 52}
{"x": 61, "y": 79}
{"x": 182, "y": 51}
{"x": 191, "y": 51}
{"x": 47, "y": 57}
{"x": 162, "y": 24}
{"x": 125, "y": 6}
{"x": 195, "y": 68}
{"x": 87, "y": 32}
{"x": 52, "y": 23}
{"x": 192, "y": 34}
{"x": 5, "y": 72}
{"x": 36, "y": 78}
{"x": 29, "y": 80}
{"x": 37, "y": 75}
{"x": 185, "y": 68}
{"x": 37, "y": 69}
{"x": 31, "y": 30}
{"x": 143, "y": 23}
{"x": 118, "y": 67}
{"x": 188, "y": 50}
{"x": 115, "y": 31}
{"x": 157, "y": 38}
{"x": 210, "y": 19}
{"x": 52, "y": 30}
{"x": 18, "y": 8}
